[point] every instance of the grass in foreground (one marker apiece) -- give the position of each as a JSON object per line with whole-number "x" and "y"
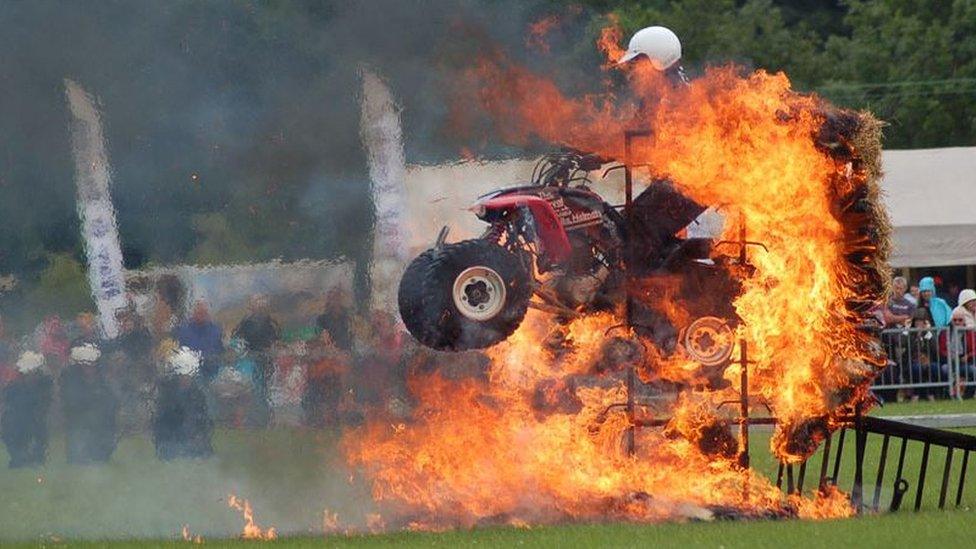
{"x": 931, "y": 529}
{"x": 290, "y": 477}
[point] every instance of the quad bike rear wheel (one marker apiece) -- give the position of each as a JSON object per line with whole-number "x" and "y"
{"x": 708, "y": 340}
{"x": 467, "y": 295}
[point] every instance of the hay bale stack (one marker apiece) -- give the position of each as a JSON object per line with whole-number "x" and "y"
{"x": 853, "y": 140}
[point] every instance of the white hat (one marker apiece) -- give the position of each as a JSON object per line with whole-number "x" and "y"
{"x": 184, "y": 361}
{"x": 659, "y": 44}
{"x": 966, "y": 296}
{"x": 86, "y": 353}
{"x": 29, "y": 361}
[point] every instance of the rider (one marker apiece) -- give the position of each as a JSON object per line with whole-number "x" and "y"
{"x": 708, "y": 337}
{"x": 659, "y": 46}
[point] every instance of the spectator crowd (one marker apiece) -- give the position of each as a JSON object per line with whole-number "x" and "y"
{"x": 178, "y": 375}
{"x": 931, "y": 346}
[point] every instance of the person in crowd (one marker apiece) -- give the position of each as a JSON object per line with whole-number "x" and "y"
{"x": 234, "y": 390}
{"x": 182, "y": 427}
{"x": 939, "y": 309}
{"x": 139, "y": 296}
{"x": 378, "y": 370}
{"x": 51, "y": 339}
{"x": 967, "y": 307}
{"x": 259, "y": 331}
{"x": 924, "y": 345}
{"x": 168, "y": 304}
{"x": 952, "y": 293}
{"x": 898, "y": 309}
{"x": 6, "y": 343}
{"x": 134, "y": 340}
{"x": 288, "y": 381}
{"x": 24, "y": 415}
{"x": 960, "y": 343}
{"x": 897, "y": 312}
{"x": 8, "y": 354}
{"x": 90, "y": 408}
{"x": 203, "y": 335}
{"x": 914, "y": 294}
{"x": 232, "y": 397}
{"x": 85, "y": 330}
{"x": 132, "y": 370}
{"x": 328, "y": 367}
{"x": 335, "y": 319}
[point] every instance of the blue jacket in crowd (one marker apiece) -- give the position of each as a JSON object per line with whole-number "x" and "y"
{"x": 204, "y": 337}
{"x": 941, "y": 311}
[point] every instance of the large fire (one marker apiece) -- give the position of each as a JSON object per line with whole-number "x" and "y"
{"x": 537, "y": 440}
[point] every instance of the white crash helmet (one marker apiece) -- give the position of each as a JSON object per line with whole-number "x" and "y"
{"x": 184, "y": 361}
{"x": 659, "y": 44}
{"x": 29, "y": 361}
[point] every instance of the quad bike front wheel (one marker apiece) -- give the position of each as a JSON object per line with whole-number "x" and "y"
{"x": 467, "y": 295}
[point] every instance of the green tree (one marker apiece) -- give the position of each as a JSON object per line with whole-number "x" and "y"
{"x": 913, "y": 63}
{"x": 217, "y": 241}
{"x": 62, "y": 288}
{"x": 753, "y": 33}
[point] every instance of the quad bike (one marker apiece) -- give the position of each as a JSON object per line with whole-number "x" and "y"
{"x": 556, "y": 245}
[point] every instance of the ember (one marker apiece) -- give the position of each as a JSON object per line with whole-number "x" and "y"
{"x": 539, "y": 441}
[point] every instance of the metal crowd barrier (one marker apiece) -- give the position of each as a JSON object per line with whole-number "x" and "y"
{"x": 925, "y": 360}
{"x": 964, "y": 343}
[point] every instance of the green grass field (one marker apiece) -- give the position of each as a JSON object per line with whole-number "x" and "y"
{"x": 923, "y": 407}
{"x": 290, "y": 476}
{"x": 932, "y": 529}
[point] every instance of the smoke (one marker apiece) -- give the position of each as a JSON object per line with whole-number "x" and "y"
{"x": 239, "y": 116}
{"x": 233, "y": 107}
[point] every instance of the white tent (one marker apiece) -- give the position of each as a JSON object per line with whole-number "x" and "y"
{"x": 931, "y": 198}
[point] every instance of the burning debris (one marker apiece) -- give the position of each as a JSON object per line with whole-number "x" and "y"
{"x": 188, "y": 536}
{"x": 541, "y": 440}
{"x": 251, "y": 529}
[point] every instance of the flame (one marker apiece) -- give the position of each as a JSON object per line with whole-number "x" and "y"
{"x": 537, "y": 35}
{"x": 330, "y": 522}
{"x": 542, "y": 440}
{"x": 538, "y": 31}
{"x": 480, "y": 453}
{"x": 251, "y": 529}
{"x": 745, "y": 143}
{"x": 187, "y": 536}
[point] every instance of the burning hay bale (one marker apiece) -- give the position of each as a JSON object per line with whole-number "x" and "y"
{"x": 853, "y": 141}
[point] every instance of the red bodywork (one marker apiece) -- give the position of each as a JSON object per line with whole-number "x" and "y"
{"x": 552, "y": 236}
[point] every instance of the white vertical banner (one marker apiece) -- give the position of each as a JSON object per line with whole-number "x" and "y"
{"x": 98, "y": 226}
{"x": 383, "y": 141}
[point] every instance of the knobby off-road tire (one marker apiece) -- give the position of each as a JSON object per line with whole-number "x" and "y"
{"x": 467, "y": 295}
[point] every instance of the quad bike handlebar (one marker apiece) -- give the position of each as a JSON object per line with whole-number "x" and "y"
{"x": 560, "y": 169}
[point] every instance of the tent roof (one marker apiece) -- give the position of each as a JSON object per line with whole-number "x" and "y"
{"x": 931, "y": 197}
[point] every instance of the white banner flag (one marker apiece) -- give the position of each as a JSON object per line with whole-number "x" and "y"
{"x": 98, "y": 227}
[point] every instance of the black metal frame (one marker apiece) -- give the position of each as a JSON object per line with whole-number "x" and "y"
{"x": 861, "y": 425}
{"x": 888, "y": 430}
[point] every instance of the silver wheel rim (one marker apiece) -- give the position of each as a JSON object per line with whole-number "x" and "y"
{"x": 479, "y": 293}
{"x": 708, "y": 340}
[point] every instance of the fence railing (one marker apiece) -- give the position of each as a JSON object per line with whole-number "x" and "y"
{"x": 931, "y": 361}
